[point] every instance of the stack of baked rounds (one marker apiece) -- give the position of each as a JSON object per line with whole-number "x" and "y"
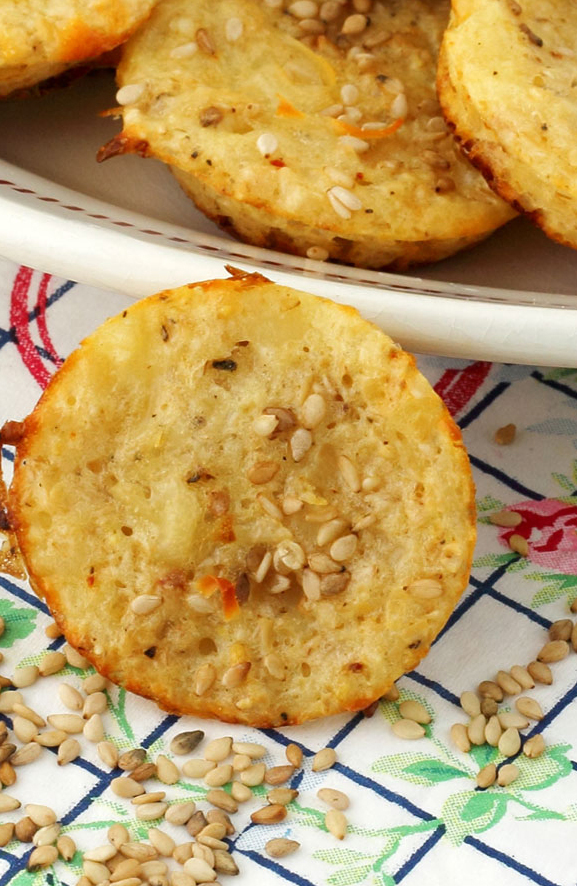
{"x": 307, "y": 127}
{"x": 245, "y": 502}
{"x": 508, "y": 85}
{"x": 39, "y": 39}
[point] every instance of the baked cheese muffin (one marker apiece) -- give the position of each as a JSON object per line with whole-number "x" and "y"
{"x": 306, "y": 127}
{"x": 39, "y": 39}
{"x": 245, "y": 502}
{"x": 507, "y": 85}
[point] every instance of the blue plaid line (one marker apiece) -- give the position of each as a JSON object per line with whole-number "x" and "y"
{"x": 18, "y": 864}
{"x": 472, "y": 598}
{"x": 419, "y": 854}
{"x": 519, "y": 607}
{"x": 436, "y": 687}
{"x": 9, "y": 335}
{"x": 486, "y": 468}
{"x": 556, "y": 385}
{"x": 8, "y": 454}
{"x": 23, "y": 595}
{"x": 346, "y": 730}
{"x": 510, "y": 862}
{"x": 480, "y": 407}
{"x": 557, "y": 708}
{"x": 272, "y": 865}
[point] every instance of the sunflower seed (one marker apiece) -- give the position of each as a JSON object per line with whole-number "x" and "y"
{"x": 414, "y": 710}
{"x": 69, "y": 750}
{"x": 460, "y": 737}
{"x": 100, "y": 853}
{"x": 272, "y": 814}
{"x": 23, "y": 710}
{"x": 253, "y": 775}
{"x": 508, "y": 684}
{"x": 240, "y": 792}
{"x": 196, "y": 823}
{"x": 118, "y": 835}
{"x": 574, "y": 637}
{"x": 144, "y": 772}
{"x": 42, "y": 857}
{"x": 505, "y": 436}
{"x": 51, "y": 663}
{"x": 336, "y": 823}
{"x": 8, "y": 699}
{"x": 493, "y": 731}
{"x": 283, "y": 796}
{"x": 425, "y": 589}
{"x": 126, "y": 868}
{"x": 510, "y": 742}
{"x": 197, "y": 768}
{"x": 334, "y": 798}
{"x": 151, "y": 811}
{"x": 349, "y": 473}
{"x": 519, "y": 544}
{"x": 70, "y": 723}
{"x": 46, "y": 836}
{"x": 561, "y": 630}
{"x": 470, "y": 704}
{"x": 236, "y": 675}
{"x": 218, "y": 749}
{"x": 70, "y": 697}
{"x": 180, "y": 813}
{"x": 487, "y": 775}
{"x": 534, "y": 746}
{"x": 222, "y": 800}
{"x": 522, "y": 676}
{"x": 224, "y": 863}
{"x": 278, "y": 774}
{"x": 186, "y": 742}
{"x": 40, "y": 815}
{"x": 181, "y": 878}
{"x": 96, "y": 703}
{"x": 24, "y": 730}
{"x": 8, "y": 803}
{"x": 6, "y": 833}
{"x": 553, "y": 651}
{"x": 25, "y": 676}
{"x": 140, "y": 851}
{"x": 126, "y": 787}
{"x": 507, "y": 774}
{"x": 294, "y": 755}
{"x": 491, "y": 690}
{"x": 131, "y": 759}
{"x": 24, "y": 829}
{"x": 529, "y": 707}
{"x": 107, "y": 753}
{"x": 219, "y": 776}
{"x": 324, "y": 759}
{"x": 540, "y": 672}
{"x": 513, "y": 720}
{"x": 489, "y": 706}
{"x": 75, "y": 659}
{"x": 26, "y": 754}
{"x": 6, "y": 751}
{"x": 408, "y": 729}
{"x": 94, "y": 683}
{"x": 476, "y": 730}
{"x": 217, "y": 815}
{"x": 94, "y": 728}
{"x": 166, "y": 771}
{"x": 150, "y": 797}
{"x": 162, "y": 842}
{"x": 204, "y": 678}
{"x": 66, "y": 847}
{"x": 199, "y": 870}
{"x": 506, "y": 519}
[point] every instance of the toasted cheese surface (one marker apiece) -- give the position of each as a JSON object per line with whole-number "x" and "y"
{"x": 507, "y": 85}
{"x": 42, "y": 38}
{"x": 245, "y": 502}
{"x": 298, "y": 133}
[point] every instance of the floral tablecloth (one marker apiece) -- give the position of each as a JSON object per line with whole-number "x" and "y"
{"x": 416, "y": 814}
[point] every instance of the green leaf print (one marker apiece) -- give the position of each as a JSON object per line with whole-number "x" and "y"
{"x": 472, "y": 812}
{"x": 118, "y": 710}
{"x": 545, "y": 770}
{"x": 341, "y": 856}
{"x": 493, "y": 561}
{"x": 432, "y": 771}
{"x": 483, "y": 754}
{"x": 488, "y": 503}
{"x": 350, "y": 876}
{"x": 564, "y": 482}
{"x": 558, "y": 585}
{"x": 19, "y": 622}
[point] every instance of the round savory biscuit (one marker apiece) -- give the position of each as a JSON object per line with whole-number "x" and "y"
{"x": 507, "y": 85}
{"x": 320, "y": 136}
{"x": 39, "y": 39}
{"x": 245, "y": 502}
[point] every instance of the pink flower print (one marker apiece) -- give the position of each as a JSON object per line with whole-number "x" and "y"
{"x": 550, "y": 528}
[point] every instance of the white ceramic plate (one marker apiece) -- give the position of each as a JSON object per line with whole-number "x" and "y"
{"x": 126, "y": 225}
